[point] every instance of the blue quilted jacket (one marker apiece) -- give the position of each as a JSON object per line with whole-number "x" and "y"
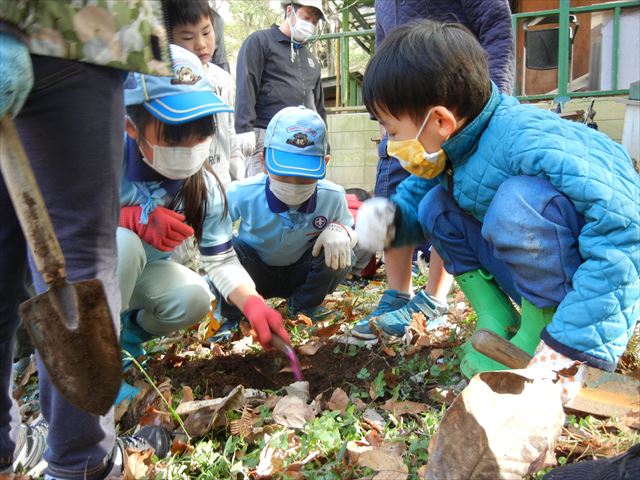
{"x": 595, "y": 320}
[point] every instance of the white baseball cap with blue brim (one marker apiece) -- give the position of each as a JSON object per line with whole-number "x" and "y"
{"x": 295, "y": 143}
{"x": 185, "y": 97}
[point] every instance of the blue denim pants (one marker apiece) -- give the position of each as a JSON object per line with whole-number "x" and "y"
{"x": 528, "y": 240}
{"x": 71, "y": 129}
{"x": 304, "y": 283}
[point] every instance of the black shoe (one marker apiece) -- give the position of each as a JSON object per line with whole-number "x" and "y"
{"x": 622, "y": 467}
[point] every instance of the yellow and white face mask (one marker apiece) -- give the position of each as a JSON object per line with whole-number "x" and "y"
{"x": 413, "y": 157}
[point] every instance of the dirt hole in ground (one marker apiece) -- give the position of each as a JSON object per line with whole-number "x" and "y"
{"x": 329, "y": 368}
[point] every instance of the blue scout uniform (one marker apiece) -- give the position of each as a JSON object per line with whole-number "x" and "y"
{"x": 281, "y": 236}
{"x": 275, "y": 243}
{"x": 141, "y": 185}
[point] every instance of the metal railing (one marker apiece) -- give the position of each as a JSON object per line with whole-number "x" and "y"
{"x": 564, "y": 10}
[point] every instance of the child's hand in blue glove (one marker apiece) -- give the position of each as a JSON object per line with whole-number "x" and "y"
{"x": 16, "y": 74}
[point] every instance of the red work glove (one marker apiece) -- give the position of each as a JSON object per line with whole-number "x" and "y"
{"x": 165, "y": 230}
{"x": 264, "y": 320}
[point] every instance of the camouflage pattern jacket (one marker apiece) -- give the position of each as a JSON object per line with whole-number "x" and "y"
{"x": 125, "y": 34}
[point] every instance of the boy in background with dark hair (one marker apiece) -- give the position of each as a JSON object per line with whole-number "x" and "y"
{"x": 516, "y": 200}
{"x": 192, "y": 28}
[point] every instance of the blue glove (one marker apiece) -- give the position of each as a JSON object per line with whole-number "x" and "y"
{"x": 16, "y": 74}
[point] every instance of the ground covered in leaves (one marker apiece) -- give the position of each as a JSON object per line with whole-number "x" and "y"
{"x": 364, "y": 411}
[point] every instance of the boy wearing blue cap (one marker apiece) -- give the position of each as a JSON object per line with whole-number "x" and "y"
{"x": 168, "y": 194}
{"x": 295, "y": 237}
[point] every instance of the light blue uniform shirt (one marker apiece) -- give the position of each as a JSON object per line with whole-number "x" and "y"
{"x": 278, "y": 234}
{"x": 216, "y": 229}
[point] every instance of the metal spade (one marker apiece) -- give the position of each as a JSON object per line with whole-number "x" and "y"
{"x": 70, "y": 324}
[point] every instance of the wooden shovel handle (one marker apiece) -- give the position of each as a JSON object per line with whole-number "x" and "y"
{"x": 499, "y": 349}
{"x": 29, "y": 205}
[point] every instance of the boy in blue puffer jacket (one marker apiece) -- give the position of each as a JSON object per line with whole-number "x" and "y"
{"x": 516, "y": 200}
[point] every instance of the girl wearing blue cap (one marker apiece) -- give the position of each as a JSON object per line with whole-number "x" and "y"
{"x": 168, "y": 194}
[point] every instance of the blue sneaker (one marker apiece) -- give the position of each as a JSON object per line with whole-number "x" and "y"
{"x": 394, "y": 323}
{"x": 391, "y": 300}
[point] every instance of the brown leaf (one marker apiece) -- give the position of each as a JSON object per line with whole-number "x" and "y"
{"x": 338, "y": 401}
{"x": 309, "y": 348}
{"x": 390, "y": 352}
{"x": 373, "y": 438}
{"x": 329, "y": 331}
{"x": 386, "y": 462}
{"x": 203, "y": 420}
{"x": 513, "y": 419}
{"x": 419, "y": 323}
{"x": 391, "y": 379}
{"x": 137, "y": 464}
{"x": 244, "y": 425}
{"x": 631, "y": 420}
{"x": 292, "y": 412}
{"x": 271, "y": 402}
{"x": 178, "y": 447}
{"x": 187, "y": 394}
{"x": 442, "y": 395}
{"x": 435, "y": 354}
{"x": 405, "y": 407}
{"x": 153, "y": 416}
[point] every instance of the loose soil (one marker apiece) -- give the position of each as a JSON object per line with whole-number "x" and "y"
{"x": 324, "y": 371}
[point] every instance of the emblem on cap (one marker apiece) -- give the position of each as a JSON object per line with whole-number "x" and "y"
{"x": 299, "y": 140}
{"x": 320, "y": 222}
{"x": 185, "y": 76}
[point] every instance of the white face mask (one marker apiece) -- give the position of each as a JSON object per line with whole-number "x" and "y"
{"x": 290, "y": 193}
{"x": 178, "y": 163}
{"x": 301, "y": 30}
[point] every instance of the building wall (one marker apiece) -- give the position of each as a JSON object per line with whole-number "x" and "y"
{"x": 354, "y": 156}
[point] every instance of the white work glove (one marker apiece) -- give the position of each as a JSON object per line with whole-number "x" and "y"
{"x": 375, "y": 226}
{"x": 236, "y": 167}
{"x": 571, "y": 373}
{"x": 338, "y": 242}
{"x": 247, "y": 143}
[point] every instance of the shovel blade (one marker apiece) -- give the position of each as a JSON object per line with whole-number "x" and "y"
{"x": 83, "y": 360}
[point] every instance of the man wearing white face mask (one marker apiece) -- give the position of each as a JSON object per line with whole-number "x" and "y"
{"x": 276, "y": 69}
{"x": 295, "y": 237}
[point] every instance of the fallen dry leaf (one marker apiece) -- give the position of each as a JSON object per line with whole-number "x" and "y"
{"x": 442, "y": 395}
{"x": 514, "y": 421}
{"x": 631, "y": 420}
{"x": 153, "y": 416}
{"x": 137, "y": 464}
{"x": 309, "y": 348}
{"x": 271, "y": 402}
{"x": 339, "y": 400}
{"x": 384, "y": 460}
{"x": 292, "y": 412}
{"x": 405, "y": 407}
{"x": 329, "y": 331}
{"x": 179, "y": 447}
{"x": 373, "y": 419}
{"x": 202, "y": 421}
{"x": 272, "y": 458}
{"x": 390, "y": 352}
{"x": 187, "y": 394}
{"x": 435, "y": 354}
{"x": 299, "y": 389}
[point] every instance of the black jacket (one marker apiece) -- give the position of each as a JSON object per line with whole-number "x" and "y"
{"x": 267, "y": 80}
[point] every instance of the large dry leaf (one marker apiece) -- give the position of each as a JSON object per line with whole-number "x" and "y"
{"x": 202, "y": 421}
{"x": 386, "y": 460}
{"x": 292, "y": 412}
{"x": 310, "y": 348}
{"x": 405, "y": 408}
{"x": 272, "y": 458}
{"x": 328, "y": 331}
{"x": 338, "y": 401}
{"x": 299, "y": 389}
{"x": 137, "y": 464}
{"x": 504, "y": 425}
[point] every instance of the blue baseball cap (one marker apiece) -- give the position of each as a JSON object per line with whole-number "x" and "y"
{"x": 186, "y": 96}
{"x": 295, "y": 143}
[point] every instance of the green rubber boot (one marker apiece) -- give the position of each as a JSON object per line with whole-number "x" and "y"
{"x": 494, "y": 312}
{"x": 534, "y": 319}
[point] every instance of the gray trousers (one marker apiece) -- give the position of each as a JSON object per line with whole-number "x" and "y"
{"x": 72, "y": 130}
